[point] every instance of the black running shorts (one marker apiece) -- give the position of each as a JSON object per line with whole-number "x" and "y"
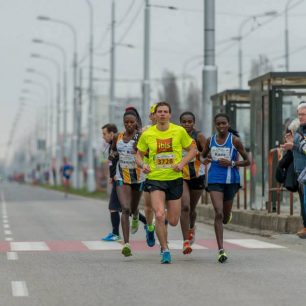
{"x": 197, "y": 183}
{"x": 228, "y": 190}
{"x": 173, "y": 189}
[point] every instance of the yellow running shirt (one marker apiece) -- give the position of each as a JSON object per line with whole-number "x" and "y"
{"x": 165, "y": 150}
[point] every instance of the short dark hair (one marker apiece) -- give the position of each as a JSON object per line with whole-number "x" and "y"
{"x": 162, "y": 103}
{"x": 187, "y": 113}
{"x": 110, "y": 128}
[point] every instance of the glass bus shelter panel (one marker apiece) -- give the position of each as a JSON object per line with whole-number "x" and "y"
{"x": 257, "y": 142}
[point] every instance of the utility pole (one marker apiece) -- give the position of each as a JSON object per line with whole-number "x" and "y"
{"x": 146, "y": 65}
{"x": 209, "y": 73}
{"x": 112, "y": 102}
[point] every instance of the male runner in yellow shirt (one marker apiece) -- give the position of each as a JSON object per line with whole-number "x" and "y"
{"x": 165, "y": 142}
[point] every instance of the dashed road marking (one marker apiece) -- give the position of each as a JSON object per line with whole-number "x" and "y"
{"x": 8, "y": 232}
{"x": 12, "y": 256}
{"x": 19, "y": 288}
{"x": 254, "y": 244}
{"x": 29, "y": 246}
{"x": 102, "y": 245}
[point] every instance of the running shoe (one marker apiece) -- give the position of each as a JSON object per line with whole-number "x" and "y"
{"x": 134, "y": 225}
{"x": 229, "y": 219}
{"x": 186, "y": 247}
{"x": 126, "y": 250}
{"x": 150, "y": 236}
{"x": 191, "y": 235}
{"x": 222, "y": 256}
{"x": 165, "y": 257}
{"x": 111, "y": 237}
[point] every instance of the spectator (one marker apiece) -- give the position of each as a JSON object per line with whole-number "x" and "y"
{"x": 297, "y": 143}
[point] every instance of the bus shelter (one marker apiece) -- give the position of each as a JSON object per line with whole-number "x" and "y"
{"x": 274, "y": 99}
{"x": 236, "y": 104}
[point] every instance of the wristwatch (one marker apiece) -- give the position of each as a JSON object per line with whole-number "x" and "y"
{"x": 233, "y": 164}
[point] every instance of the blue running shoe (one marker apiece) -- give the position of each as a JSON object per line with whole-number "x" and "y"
{"x": 150, "y": 237}
{"x": 111, "y": 237}
{"x": 165, "y": 257}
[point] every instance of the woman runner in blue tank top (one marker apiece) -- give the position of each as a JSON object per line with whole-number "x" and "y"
{"x": 222, "y": 151}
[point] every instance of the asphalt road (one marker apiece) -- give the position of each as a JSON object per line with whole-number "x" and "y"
{"x": 51, "y": 254}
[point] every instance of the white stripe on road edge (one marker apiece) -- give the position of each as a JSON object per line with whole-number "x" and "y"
{"x": 5, "y": 225}
{"x": 9, "y": 239}
{"x": 102, "y": 245}
{"x": 178, "y": 245}
{"x": 254, "y": 244}
{"x": 12, "y": 256}
{"x": 29, "y": 246}
{"x": 19, "y": 288}
{"x": 8, "y": 232}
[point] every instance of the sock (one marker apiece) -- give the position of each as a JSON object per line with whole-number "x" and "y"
{"x": 142, "y": 218}
{"x": 115, "y": 219}
{"x": 151, "y": 227}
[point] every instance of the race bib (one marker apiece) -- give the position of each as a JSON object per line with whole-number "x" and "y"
{"x": 164, "y": 160}
{"x": 127, "y": 161}
{"x": 217, "y": 153}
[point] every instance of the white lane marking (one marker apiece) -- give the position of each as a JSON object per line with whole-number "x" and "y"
{"x": 102, "y": 245}
{"x": 12, "y": 256}
{"x": 9, "y": 239}
{"x": 29, "y": 246}
{"x": 5, "y": 225}
{"x": 19, "y": 288}
{"x": 254, "y": 244}
{"x": 178, "y": 245}
{"x": 8, "y": 232}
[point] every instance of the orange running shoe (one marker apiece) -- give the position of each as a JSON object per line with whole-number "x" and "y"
{"x": 191, "y": 235}
{"x": 302, "y": 233}
{"x": 186, "y": 247}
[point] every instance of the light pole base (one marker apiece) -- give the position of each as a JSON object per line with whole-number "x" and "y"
{"x": 91, "y": 183}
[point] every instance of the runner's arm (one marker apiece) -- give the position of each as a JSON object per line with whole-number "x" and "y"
{"x": 240, "y": 148}
{"x": 201, "y": 141}
{"x": 139, "y": 161}
{"x": 205, "y": 152}
{"x": 192, "y": 152}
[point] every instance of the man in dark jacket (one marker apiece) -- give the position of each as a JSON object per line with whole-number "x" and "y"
{"x": 108, "y": 132}
{"x": 297, "y": 143}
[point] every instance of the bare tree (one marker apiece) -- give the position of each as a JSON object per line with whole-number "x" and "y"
{"x": 260, "y": 66}
{"x": 193, "y": 99}
{"x": 170, "y": 94}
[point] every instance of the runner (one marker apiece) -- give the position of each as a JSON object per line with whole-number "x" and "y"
{"x": 194, "y": 183}
{"x": 66, "y": 171}
{"x": 223, "y": 174}
{"x": 108, "y": 133}
{"x": 164, "y": 142}
{"x": 129, "y": 177}
{"x": 149, "y": 213}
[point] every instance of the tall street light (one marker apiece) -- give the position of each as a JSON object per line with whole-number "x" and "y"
{"x": 75, "y": 116}
{"x": 91, "y": 184}
{"x": 64, "y": 56}
{"x": 239, "y": 39}
{"x": 49, "y": 81}
{"x": 58, "y": 71}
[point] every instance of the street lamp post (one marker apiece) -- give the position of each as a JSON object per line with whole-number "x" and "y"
{"x": 239, "y": 39}
{"x": 64, "y": 56}
{"x": 75, "y": 121}
{"x": 146, "y": 64}
{"x": 58, "y": 147}
{"x": 91, "y": 185}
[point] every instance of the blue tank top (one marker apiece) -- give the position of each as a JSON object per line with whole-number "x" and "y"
{"x": 216, "y": 173}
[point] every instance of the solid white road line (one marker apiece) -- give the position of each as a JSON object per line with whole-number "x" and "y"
{"x": 12, "y": 256}
{"x": 254, "y": 244}
{"x": 19, "y": 288}
{"x": 102, "y": 245}
{"x": 29, "y": 246}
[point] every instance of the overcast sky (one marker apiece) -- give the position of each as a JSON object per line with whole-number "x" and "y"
{"x": 176, "y": 37}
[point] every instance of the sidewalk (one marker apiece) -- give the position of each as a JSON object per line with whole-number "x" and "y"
{"x": 254, "y": 221}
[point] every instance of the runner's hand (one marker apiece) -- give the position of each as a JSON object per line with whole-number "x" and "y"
{"x": 206, "y": 161}
{"x": 146, "y": 169}
{"x": 178, "y": 168}
{"x": 224, "y": 162}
